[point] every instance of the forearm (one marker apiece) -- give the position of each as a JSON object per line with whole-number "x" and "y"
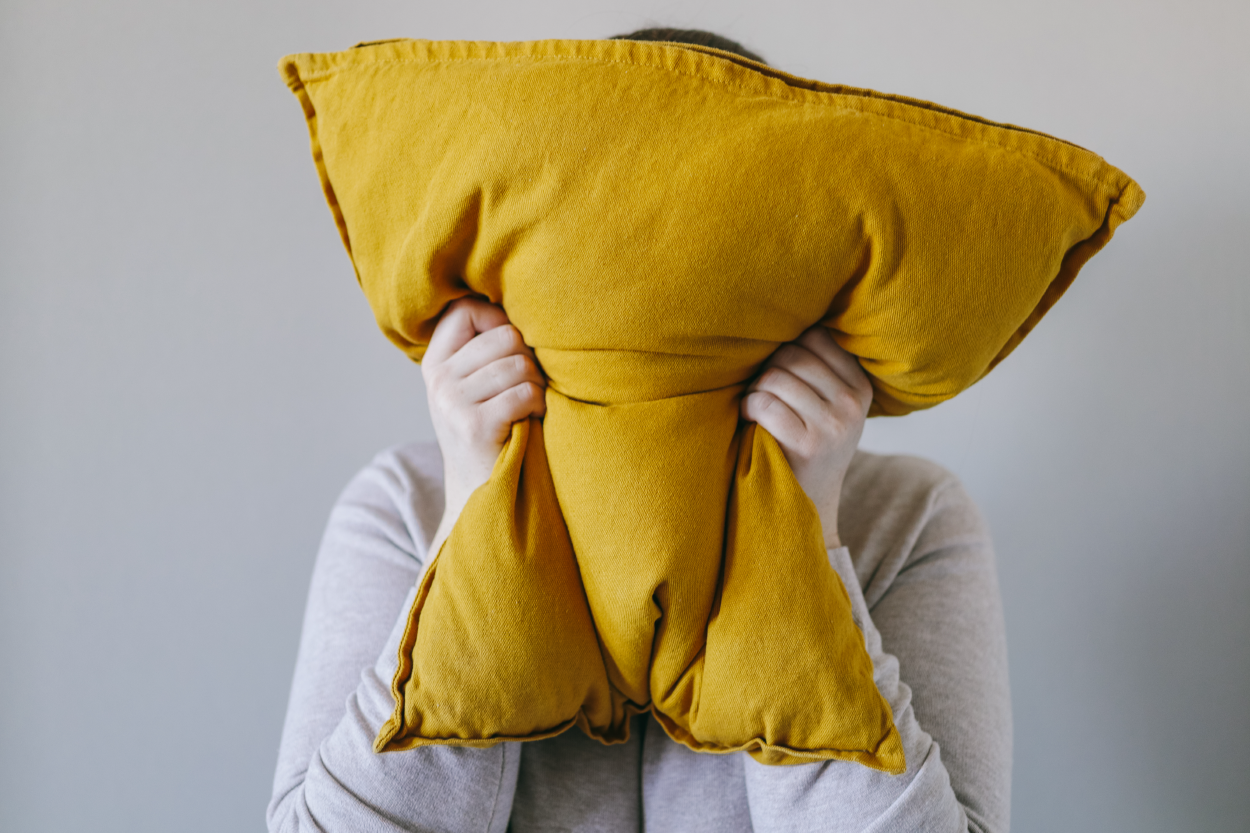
{"x": 328, "y": 776}
{"x": 348, "y": 786}
{"x": 840, "y": 795}
{"x": 938, "y": 624}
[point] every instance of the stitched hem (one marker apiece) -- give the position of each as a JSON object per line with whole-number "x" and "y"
{"x": 850, "y": 99}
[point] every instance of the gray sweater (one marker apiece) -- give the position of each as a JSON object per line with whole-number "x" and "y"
{"x": 920, "y": 572}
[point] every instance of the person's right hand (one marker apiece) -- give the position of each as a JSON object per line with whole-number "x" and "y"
{"x": 480, "y": 377}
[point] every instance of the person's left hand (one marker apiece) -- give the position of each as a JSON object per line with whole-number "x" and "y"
{"x": 813, "y": 397}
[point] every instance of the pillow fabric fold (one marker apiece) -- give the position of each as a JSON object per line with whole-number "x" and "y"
{"x": 656, "y": 219}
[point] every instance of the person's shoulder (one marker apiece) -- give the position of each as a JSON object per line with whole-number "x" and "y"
{"x": 397, "y": 472}
{"x": 401, "y": 487}
{"x": 895, "y": 505}
{"x": 409, "y": 462}
{"x": 876, "y": 478}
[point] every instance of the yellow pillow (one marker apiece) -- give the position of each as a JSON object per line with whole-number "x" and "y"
{"x": 656, "y": 219}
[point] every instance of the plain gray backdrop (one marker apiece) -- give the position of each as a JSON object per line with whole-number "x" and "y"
{"x": 189, "y": 375}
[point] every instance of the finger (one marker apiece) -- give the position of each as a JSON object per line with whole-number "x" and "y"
{"x": 818, "y": 340}
{"x": 838, "y": 399}
{"x": 809, "y": 368}
{"x": 514, "y": 404}
{"x": 488, "y": 347}
{"x": 766, "y": 410}
{"x": 498, "y": 376}
{"x": 796, "y": 394}
{"x": 459, "y": 323}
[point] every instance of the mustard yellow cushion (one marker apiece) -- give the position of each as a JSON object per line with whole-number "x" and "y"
{"x": 656, "y": 219}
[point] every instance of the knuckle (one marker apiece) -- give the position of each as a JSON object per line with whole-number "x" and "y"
{"x": 845, "y": 399}
{"x": 496, "y": 372}
{"x": 826, "y": 415}
{"x": 772, "y": 376}
{"x": 475, "y": 422}
{"x": 437, "y": 382}
{"x": 819, "y": 335}
{"x": 518, "y": 395}
{"x": 461, "y": 307}
{"x": 866, "y": 393}
{"x": 765, "y": 401}
{"x": 785, "y": 352}
{"x": 509, "y": 336}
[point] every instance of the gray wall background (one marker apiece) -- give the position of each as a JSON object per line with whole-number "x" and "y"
{"x": 188, "y": 376}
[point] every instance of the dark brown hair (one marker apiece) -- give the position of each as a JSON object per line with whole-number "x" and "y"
{"x": 693, "y": 36}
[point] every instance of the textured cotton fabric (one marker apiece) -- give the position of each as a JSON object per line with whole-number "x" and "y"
{"x": 931, "y": 621}
{"x": 656, "y": 219}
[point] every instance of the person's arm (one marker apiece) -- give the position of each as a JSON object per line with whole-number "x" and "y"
{"x": 940, "y": 623}
{"x": 935, "y": 606}
{"x": 328, "y": 777}
{"x": 480, "y": 378}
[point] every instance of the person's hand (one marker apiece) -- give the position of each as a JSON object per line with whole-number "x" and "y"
{"x": 813, "y": 397}
{"x": 480, "y": 377}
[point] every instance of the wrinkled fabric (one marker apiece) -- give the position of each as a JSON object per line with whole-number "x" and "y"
{"x": 918, "y": 566}
{"x": 656, "y": 219}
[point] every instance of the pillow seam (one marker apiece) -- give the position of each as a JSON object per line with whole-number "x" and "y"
{"x": 1109, "y": 186}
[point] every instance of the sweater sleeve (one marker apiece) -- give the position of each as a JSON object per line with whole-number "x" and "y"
{"x": 936, "y": 621}
{"x": 328, "y": 777}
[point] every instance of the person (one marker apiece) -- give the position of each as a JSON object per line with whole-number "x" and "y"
{"x": 903, "y": 535}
